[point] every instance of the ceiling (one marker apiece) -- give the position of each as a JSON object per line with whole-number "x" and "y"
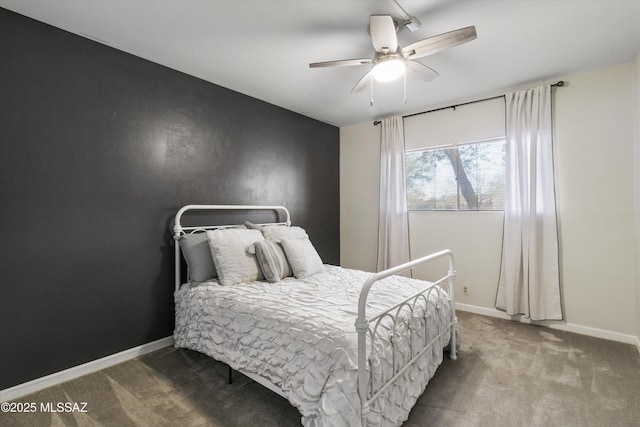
{"x": 262, "y": 48}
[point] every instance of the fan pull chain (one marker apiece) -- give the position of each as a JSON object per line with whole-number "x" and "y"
{"x": 405, "y": 85}
{"x": 371, "y": 85}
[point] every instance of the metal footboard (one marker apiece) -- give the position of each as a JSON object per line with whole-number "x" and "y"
{"x": 369, "y": 391}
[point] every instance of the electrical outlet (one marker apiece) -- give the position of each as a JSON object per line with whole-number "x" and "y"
{"x": 465, "y": 290}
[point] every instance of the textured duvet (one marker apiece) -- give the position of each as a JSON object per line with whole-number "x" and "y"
{"x": 300, "y": 335}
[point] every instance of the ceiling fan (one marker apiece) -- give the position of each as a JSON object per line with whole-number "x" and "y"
{"x": 391, "y": 61}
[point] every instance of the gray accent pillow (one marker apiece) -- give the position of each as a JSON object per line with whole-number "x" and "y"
{"x": 272, "y": 260}
{"x": 196, "y": 252}
{"x": 276, "y": 233}
{"x": 228, "y": 249}
{"x": 303, "y": 257}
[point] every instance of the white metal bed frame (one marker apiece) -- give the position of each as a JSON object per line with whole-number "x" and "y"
{"x": 364, "y": 326}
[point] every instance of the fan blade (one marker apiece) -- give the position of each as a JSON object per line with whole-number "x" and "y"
{"x": 341, "y": 63}
{"x": 420, "y": 71}
{"x": 363, "y": 83}
{"x": 439, "y": 43}
{"x": 383, "y": 33}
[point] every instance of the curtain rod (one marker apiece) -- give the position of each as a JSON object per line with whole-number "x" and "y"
{"x": 377, "y": 122}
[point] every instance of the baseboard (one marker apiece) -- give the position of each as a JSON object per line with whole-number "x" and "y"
{"x": 80, "y": 370}
{"x": 638, "y": 344}
{"x": 559, "y": 325}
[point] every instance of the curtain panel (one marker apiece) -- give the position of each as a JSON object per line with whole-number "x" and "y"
{"x": 529, "y": 282}
{"x": 393, "y": 224}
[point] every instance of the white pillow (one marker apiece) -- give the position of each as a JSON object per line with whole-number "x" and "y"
{"x": 303, "y": 257}
{"x": 196, "y": 252}
{"x": 273, "y": 263}
{"x": 276, "y": 233}
{"x": 228, "y": 249}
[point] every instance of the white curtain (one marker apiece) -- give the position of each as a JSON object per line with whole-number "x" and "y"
{"x": 529, "y": 281}
{"x": 393, "y": 225}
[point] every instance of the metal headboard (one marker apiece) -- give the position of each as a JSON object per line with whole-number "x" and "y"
{"x": 179, "y": 230}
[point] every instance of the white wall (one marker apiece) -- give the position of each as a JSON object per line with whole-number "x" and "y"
{"x": 594, "y": 183}
{"x": 594, "y": 143}
{"x": 359, "y": 183}
{"x": 477, "y": 243}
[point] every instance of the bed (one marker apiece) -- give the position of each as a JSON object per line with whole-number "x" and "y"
{"x": 344, "y": 346}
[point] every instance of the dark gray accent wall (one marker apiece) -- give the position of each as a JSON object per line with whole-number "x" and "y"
{"x": 98, "y": 150}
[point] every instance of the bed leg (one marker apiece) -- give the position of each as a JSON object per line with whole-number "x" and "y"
{"x": 454, "y": 319}
{"x": 453, "y": 341}
{"x": 230, "y": 375}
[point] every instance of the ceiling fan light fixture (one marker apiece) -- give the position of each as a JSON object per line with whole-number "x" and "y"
{"x": 386, "y": 70}
{"x": 391, "y": 61}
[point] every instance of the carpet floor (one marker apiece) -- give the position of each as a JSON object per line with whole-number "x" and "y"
{"x": 507, "y": 374}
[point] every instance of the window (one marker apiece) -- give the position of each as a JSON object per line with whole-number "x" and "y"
{"x": 467, "y": 176}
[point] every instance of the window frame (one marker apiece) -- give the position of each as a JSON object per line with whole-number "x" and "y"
{"x": 456, "y": 146}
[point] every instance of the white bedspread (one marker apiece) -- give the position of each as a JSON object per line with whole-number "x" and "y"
{"x": 300, "y": 335}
